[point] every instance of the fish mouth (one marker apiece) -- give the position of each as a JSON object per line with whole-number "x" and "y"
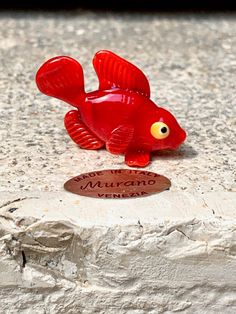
{"x": 181, "y": 138}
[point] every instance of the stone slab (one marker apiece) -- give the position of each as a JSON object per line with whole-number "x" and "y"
{"x": 65, "y": 253}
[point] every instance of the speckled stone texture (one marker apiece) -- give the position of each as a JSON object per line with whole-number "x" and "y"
{"x": 189, "y": 60}
{"x": 170, "y": 252}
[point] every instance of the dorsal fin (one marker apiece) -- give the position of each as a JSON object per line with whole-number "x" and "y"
{"x": 114, "y": 71}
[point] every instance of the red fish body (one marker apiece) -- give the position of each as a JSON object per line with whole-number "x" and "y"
{"x": 119, "y": 115}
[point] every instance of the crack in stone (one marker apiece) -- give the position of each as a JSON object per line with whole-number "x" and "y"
{"x": 140, "y": 225}
{"x": 184, "y": 234}
{"x": 24, "y": 261}
{"x": 205, "y": 205}
{"x": 11, "y": 210}
{"x": 176, "y": 228}
{"x": 14, "y": 201}
{"x": 41, "y": 248}
{"x": 17, "y": 200}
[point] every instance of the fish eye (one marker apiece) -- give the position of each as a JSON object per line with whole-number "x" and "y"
{"x": 159, "y": 130}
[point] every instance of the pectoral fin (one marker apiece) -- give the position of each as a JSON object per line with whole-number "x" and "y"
{"x": 80, "y": 133}
{"x": 120, "y": 139}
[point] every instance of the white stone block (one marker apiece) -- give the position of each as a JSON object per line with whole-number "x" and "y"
{"x": 71, "y": 253}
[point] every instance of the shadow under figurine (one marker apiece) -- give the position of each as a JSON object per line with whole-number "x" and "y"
{"x": 119, "y": 115}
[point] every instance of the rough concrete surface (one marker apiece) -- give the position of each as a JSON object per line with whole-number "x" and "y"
{"x": 171, "y": 252}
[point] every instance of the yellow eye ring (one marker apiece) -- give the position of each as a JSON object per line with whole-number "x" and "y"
{"x": 160, "y": 130}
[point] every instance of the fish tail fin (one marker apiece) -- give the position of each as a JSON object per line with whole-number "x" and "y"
{"x": 62, "y": 77}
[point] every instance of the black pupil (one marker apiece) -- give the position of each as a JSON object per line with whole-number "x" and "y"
{"x": 163, "y": 129}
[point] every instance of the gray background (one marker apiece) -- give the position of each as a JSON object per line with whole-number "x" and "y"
{"x": 190, "y": 60}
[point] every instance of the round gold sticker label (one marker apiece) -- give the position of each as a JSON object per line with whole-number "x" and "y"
{"x": 117, "y": 183}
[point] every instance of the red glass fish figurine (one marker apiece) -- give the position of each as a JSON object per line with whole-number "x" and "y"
{"x": 119, "y": 115}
